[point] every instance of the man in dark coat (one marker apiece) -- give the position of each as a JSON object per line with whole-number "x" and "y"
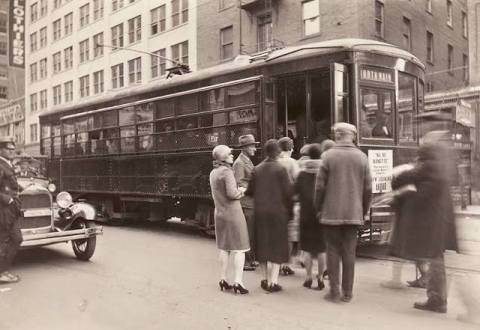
{"x": 10, "y": 234}
{"x": 242, "y": 169}
{"x": 342, "y": 195}
{"x": 272, "y": 192}
{"x": 428, "y": 221}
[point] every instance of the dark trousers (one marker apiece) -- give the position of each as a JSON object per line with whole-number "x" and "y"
{"x": 10, "y": 240}
{"x": 249, "y": 217}
{"x": 437, "y": 281}
{"x": 341, "y": 247}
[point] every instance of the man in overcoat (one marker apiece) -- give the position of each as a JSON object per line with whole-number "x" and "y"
{"x": 242, "y": 169}
{"x": 342, "y": 196}
{"x": 10, "y": 234}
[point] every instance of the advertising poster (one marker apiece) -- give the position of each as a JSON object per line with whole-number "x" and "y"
{"x": 381, "y": 165}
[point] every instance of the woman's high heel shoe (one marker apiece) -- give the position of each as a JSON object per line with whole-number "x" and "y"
{"x": 224, "y": 285}
{"x": 239, "y": 288}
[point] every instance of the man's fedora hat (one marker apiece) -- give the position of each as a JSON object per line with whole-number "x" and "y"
{"x": 247, "y": 140}
{"x": 7, "y": 142}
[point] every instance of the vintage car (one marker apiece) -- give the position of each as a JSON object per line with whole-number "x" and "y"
{"x": 47, "y": 221}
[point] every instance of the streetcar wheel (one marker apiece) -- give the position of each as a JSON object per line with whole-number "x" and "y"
{"x": 85, "y": 247}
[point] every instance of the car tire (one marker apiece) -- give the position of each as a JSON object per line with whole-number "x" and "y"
{"x": 85, "y": 247}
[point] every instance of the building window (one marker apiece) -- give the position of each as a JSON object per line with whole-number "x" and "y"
{"x": 57, "y": 30}
{"x": 57, "y": 3}
{"x": 117, "y": 36}
{"x": 84, "y": 15}
{"x": 33, "y": 102}
{"x": 379, "y": 19}
{"x": 264, "y": 31}
{"x": 84, "y": 51}
{"x": 429, "y": 87}
{"x": 43, "y": 68}
{"x": 3, "y": 22}
{"x": 450, "y": 59}
{"x": 3, "y": 93}
{"x": 180, "y": 52}
{"x": 57, "y": 62}
{"x": 33, "y": 72}
{"x": 135, "y": 29}
{"x": 159, "y": 63}
{"x": 179, "y": 12}
{"x": 429, "y": 6}
{"x": 311, "y": 17}
{"x": 465, "y": 68}
{"x": 57, "y": 94}
{"x": 98, "y": 9}
{"x": 135, "y": 71}
{"x": 117, "y": 76}
{"x": 464, "y": 24}
{"x": 3, "y": 48}
{"x": 159, "y": 21}
{"x": 33, "y": 132}
{"x": 68, "y": 87}
{"x": 449, "y": 13}
{"x": 68, "y": 57}
{"x": 98, "y": 82}
{"x": 226, "y": 43}
{"x": 98, "y": 45}
{"x": 43, "y": 99}
{"x": 429, "y": 47}
{"x": 117, "y": 4}
{"x": 33, "y": 42}
{"x": 3, "y": 72}
{"x": 43, "y": 37}
{"x": 84, "y": 86}
{"x": 33, "y": 12}
{"x": 43, "y": 8}
{"x": 407, "y": 34}
{"x": 68, "y": 23}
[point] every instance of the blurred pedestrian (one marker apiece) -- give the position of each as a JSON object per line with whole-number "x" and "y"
{"x": 291, "y": 165}
{"x": 230, "y": 225}
{"x": 271, "y": 189}
{"x": 429, "y": 222}
{"x": 343, "y": 194}
{"x": 10, "y": 211}
{"x": 242, "y": 169}
{"x": 312, "y": 240}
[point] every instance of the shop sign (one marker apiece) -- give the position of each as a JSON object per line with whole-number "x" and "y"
{"x": 381, "y": 166}
{"x": 464, "y": 114}
{"x": 17, "y": 33}
{"x": 11, "y": 114}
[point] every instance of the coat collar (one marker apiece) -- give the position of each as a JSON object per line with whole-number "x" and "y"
{"x": 6, "y": 161}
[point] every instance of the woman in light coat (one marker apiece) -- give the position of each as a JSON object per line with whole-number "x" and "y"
{"x": 230, "y": 225}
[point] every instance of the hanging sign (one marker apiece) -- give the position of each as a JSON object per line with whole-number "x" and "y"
{"x": 381, "y": 166}
{"x": 16, "y": 29}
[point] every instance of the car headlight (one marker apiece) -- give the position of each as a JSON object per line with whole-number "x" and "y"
{"x": 64, "y": 199}
{"x": 51, "y": 187}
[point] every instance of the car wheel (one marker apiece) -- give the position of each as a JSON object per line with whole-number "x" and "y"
{"x": 85, "y": 247}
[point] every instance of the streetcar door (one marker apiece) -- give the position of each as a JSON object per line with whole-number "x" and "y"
{"x": 339, "y": 84}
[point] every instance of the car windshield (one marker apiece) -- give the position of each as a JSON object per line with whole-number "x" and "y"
{"x": 29, "y": 167}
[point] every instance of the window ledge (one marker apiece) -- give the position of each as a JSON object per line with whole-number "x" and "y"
{"x": 310, "y": 36}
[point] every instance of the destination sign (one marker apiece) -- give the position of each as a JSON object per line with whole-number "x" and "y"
{"x": 376, "y": 75}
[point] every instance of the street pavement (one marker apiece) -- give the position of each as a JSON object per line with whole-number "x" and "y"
{"x": 165, "y": 277}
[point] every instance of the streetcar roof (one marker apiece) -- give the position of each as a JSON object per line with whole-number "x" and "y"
{"x": 244, "y": 62}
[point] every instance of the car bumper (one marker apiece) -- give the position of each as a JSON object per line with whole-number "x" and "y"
{"x": 60, "y": 236}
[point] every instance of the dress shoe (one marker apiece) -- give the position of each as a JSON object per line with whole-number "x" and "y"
{"x": 347, "y": 298}
{"x": 419, "y": 283}
{"x": 239, "y": 288}
{"x": 224, "y": 285}
{"x": 286, "y": 270}
{"x": 332, "y": 297}
{"x": 275, "y": 287}
{"x": 437, "y": 307}
{"x": 321, "y": 285}
{"x": 264, "y": 285}
{"x": 308, "y": 283}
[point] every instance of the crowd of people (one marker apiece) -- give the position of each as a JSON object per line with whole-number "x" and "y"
{"x": 282, "y": 205}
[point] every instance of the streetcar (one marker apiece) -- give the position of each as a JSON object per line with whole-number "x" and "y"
{"x": 146, "y": 153}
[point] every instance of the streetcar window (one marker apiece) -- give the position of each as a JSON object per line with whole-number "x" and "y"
{"x": 97, "y": 120}
{"x": 213, "y": 99}
{"x": 81, "y": 146}
{"x": 47, "y": 144}
{"x": 165, "y": 108}
{"x": 56, "y": 130}
{"x": 376, "y": 113}
{"x": 109, "y": 119}
{"x": 145, "y": 112}
{"x": 81, "y": 124}
{"x": 187, "y": 123}
{"x": 45, "y": 131}
{"x": 206, "y": 121}
{"x": 68, "y": 127}
{"x": 111, "y": 143}
{"x": 145, "y": 139}
{"x": 165, "y": 126}
{"x": 187, "y": 104}
{"x": 126, "y": 116}
{"x": 243, "y": 94}
{"x": 407, "y": 131}
{"x": 127, "y": 135}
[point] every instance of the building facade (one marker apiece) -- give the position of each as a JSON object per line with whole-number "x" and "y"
{"x": 84, "y": 50}
{"x": 474, "y": 40}
{"x": 435, "y": 31}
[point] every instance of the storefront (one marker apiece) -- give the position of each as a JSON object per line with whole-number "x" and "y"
{"x": 12, "y": 121}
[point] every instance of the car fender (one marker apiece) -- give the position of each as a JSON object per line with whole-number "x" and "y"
{"x": 83, "y": 210}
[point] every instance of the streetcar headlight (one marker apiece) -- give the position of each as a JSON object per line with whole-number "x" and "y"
{"x": 64, "y": 199}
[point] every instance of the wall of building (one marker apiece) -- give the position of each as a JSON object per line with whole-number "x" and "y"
{"x": 474, "y": 40}
{"x": 148, "y": 43}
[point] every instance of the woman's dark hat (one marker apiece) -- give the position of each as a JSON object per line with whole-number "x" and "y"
{"x": 247, "y": 140}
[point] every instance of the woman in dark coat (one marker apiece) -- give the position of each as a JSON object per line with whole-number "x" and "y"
{"x": 272, "y": 193}
{"x": 425, "y": 218}
{"x": 230, "y": 225}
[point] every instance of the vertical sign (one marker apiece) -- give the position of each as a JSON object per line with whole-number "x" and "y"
{"x": 16, "y": 30}
{"x": 381, "y": 165}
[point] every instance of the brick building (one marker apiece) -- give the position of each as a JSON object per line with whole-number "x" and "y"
{"x": 434, "y": 31}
